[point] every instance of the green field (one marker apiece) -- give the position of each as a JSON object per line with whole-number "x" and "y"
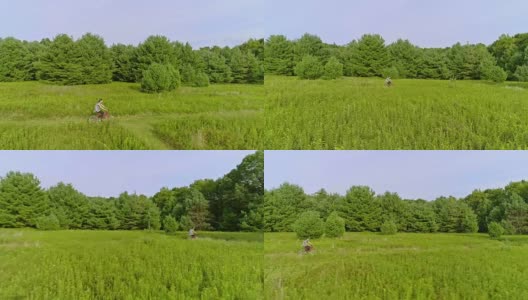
{"x": 361, "y": 113}
{"x": 129, "y": 265}
{"x": 402, "y": 266}
{"x": 41, "y": 116}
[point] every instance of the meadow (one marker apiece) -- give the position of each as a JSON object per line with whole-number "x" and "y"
{"x": 129, "y": 265}
{"x": 361, "y": 113}
{"x": 42, "y": 116}
{"x": 401, "y": 266}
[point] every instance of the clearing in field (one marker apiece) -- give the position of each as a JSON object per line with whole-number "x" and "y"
{"x": 402, "y": 266}
{"x": 361, "y": 113}
{"x": 41, "y": 116}
{"x": 129, "y": 265}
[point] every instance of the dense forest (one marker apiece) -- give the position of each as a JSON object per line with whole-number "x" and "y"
{"x": 230, "y": 203}
{"x": 89, "y": 60}
{"x": 309, "y": 57}
{"x": 363, "y": 210}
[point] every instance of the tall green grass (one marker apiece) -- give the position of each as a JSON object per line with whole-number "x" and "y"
{"x": 402, "y": 266}
{"x": 361, "y": 113}
{"x": 213, "y": 132}
{"x": 72, "y": 135}
{"x": 127, "y": 265}
{"x": 41, "y": 116}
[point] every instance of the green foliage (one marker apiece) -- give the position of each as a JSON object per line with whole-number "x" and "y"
{"x": 494, "y": 73}
{"x": 49, "y": 222}
{"x": 495, "y": 230}
{"x": 368, "y": 56}
{"x": 309, "y": 68}
{"x": 15, "y": 60}
{"x": 361, "y": 209}
{"x": 160, "y": 78}
{"x": 389, "y": 227}
{"x": 22, "y": 200}
{"x": 68, "y": 62}
{"x": 278, "y": 55}
{"x": 391, "y": 72}
{"x": 333, "y": 69}
{"x": 521, "y": 73}
{"x": 334, "y": 226}
{"x": 170, "y": 225}
{"x": 309, "y": 225}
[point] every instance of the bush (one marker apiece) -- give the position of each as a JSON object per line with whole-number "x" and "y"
{"x": 309, "y": 68}
{"x": 389, "y": 227}
{"x": 50, "y": 222}
{"x": 158, "y": 78}
{"x": 508, "y": 227}
{"x": 186, "y": 223}
{"x": 494, "y": 73}
{"x": 391, "y": 72}
{"x": 470, "y": 223}
{"x": 334, "y": 226}
{"x": 170, "y": 225}
{"x": 309, "y": 225}
{"x": 200, "y": 80}
{"x": 521, "y": 73}
{"x": 495, "y": 230}
{"x": 333, "y": 69}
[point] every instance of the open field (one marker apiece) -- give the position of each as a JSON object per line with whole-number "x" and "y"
{"x": 129, "y": 265}
{"x": 402, "y": 266}
{"x": 361, "y": 113}
{"x": 41, "y": 116}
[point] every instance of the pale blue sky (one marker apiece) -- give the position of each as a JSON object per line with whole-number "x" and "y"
{"x": 412, "y": 174}
{"x": 108, "y": 173}
{"x": 424, "y": 22}
{"x": 199, "y": 22}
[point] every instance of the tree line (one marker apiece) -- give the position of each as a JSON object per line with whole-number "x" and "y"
{"x": 363, "y": 210}
{"x": 233, "y": 202}
{"x": 88, "y": 60}
{"x": 310, "y": 58}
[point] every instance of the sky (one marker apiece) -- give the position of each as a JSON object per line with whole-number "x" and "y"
{"x": 424, "y": 22}
{"x": 412, "y": 174}
{"x": 109, "y": 173}
{"x": 199, "y": 22}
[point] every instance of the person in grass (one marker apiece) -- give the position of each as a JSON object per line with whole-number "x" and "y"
{"x": 192, "y": 234}
{"x": 388, "y": 81}
{"x": 100, "y": 109}
{"x": 307, "y": 245}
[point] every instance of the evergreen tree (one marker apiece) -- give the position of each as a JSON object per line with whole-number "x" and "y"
{"x": 368, "y": 56}
{"x": 278, "y": 55}
{"x": 333, "y": 69}
{"x": 309, "y": 68}
{"x": 15, "y": 60}
{"x": 361, "y": 210}
{"x": 22, "y": 200}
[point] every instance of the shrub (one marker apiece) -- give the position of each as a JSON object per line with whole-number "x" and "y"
{"x": 389, "y": 227}
{"x": 309, "y": 225}
{"x": 470, "y": 223}
{"x": 309, "y": 68}
{"x": 170, "y": 225}
{"x": 494, "y": 73}
{"x": 521, "y": 73}
{"x": 200, "y": 79}
{"x": 508, "y": 227}
{"x": 333, "y": 69}
{"x": 186, "y": 223}
{"x": 391, "y": 72}
{"x": 334, "y": 226}
{"x": 50, "y": 222}
{"x": 495, "y": 230}
{"x": 158, "y": 78}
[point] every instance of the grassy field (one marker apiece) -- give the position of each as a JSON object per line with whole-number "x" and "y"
{"x": 41, "y": 116}
{"x": 129, "y": 265}
{"x": 361, "y": 113}
{"x": 402, "y": 266}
